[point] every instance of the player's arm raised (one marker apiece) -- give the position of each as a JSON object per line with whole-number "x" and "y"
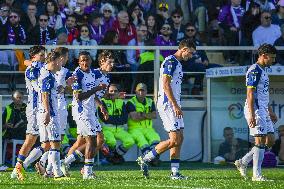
{"x": 169, "y": 93}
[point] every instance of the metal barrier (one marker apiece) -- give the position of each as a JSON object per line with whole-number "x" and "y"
{"x": 155, "y": 48}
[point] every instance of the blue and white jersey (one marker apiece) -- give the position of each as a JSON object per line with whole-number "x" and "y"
{"x": 258, "y": 79}
{"x": 31, "y": 77}
{"x": 61, "y": 77}
{"x": 47, "y": 84}
{"x": 172, "y": 68}
{"x": 85, "y": 82}
{"x": 101, "y": 78}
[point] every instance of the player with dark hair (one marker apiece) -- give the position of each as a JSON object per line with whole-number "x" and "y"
{"x": 258, "y": 113}
{"x": 169, "y": 108}
{"x": 37, "y": 58}
{"x": 87, "y": 91}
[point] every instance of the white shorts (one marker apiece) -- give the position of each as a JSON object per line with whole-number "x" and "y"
{"x": 32, "y": 126}
{"x": 51, "y": 132}
{"x": 88, "y": 126}
{"x": 170, "y": 121}
{"x": 264, "y": 124}
{"x": 62, "y": 120}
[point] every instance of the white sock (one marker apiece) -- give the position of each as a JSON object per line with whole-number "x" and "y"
{"x": 71, "y": 158}
{"x": 49, "y": 168}
{"x": 54, "y": 157}
{"x": 44, "y": 158}
{"x": 258, "y": 156}
{"x": 175, "y": 166}
{"x": 150, "y": 155}
{"x": 248, "y": 157}
{"x": 88, "y": 167}
{"x": 33, "y": 156}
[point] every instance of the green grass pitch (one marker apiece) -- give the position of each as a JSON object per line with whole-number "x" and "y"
{"x": 128, "y": 175}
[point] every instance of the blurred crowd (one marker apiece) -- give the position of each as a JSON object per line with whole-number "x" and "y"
{"x": 141, "y": 23}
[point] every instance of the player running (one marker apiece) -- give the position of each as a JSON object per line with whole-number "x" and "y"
{"x": 169, "y": 108}
{"x": 258, "y": 113}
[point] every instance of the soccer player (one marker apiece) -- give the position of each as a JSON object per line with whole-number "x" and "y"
{"x": 37, "y": 58}
{"x": 48, "y": 110}
{"x": 89, "y": 88}
{"x": 258, "y": 113}
{"x": 63, "y": 78}
{"x": 169, "y": 108}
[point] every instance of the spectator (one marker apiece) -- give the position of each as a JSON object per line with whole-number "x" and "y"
{"x": 14, "y": 33}
{"x": 280, "y": 42}
{"x": 13, "y": 4}
{"x": 42, "y": 33}
{"x": 152, "y": 27}
{"x": 14, "y": 119}
{"x": 232, "y": 148}
{"x": 230, "y": 21}
{"x": 147, "y": 6}
{"x": 121, "y": 64}
{"x": 126, "y": 31}
{"x": 200, "y": 9}
{"x": 81, "y": 16}
{"x": 163, "y": 14}
{"x": 265, "y": 5}
{"x": 30, "y": 19}
{"x": 113, "y": 127}
{"x": 84, "y": 38}
{"x": 93, "y": 6}
{"x": 64, "y": 10}
{"x": 61, "y": 39}
{"x": 164, "y": 39}
{"x": 96, "y": 28}
{"x": 133, "y": 55}
{"x": 177, "y": 26}
{"x": 54, "y": 18}
{"x": 278, "y": 147}
{"x": 136, "y": 13}
{"x": 198, "y": 62}
{"x": 266, "y": 32}
{"x": 141, "y": 113}
{"x": 250, "y": 21}
{"x": 4, "y": 14}
{"x": 118, "y": 5}
{"x": 108, "y": 18}
{"x": 70, "y": 28}
{"x": 146, "y": 63}
{"x": 39, "y": 5}
{"x": 277, "y": 18}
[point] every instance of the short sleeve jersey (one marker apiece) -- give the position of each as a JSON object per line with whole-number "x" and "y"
{"x": 47, "y": 84}
{"x": 61, "y": 77}
{"x": 258, "y": 79}
{"x": 172, "y": 68}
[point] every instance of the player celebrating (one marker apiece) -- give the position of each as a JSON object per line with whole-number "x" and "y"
{"x": 90, "y": 86}
{"x": 169, "y": 108}
{"x": 37, "y": 57}
{"x": 257, "y": 111}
